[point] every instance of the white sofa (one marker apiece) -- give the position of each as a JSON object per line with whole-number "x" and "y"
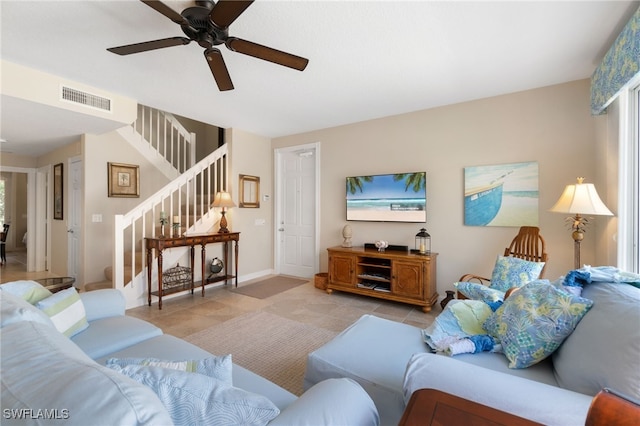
{"x": 48, "y": 378}
{"x": 391, "y": 361}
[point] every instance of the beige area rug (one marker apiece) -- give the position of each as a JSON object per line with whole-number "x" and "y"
{"x": 269, "y": 286}
{"x": 267, "y": 344}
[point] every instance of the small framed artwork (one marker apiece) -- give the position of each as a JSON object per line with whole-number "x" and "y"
{"x": 249, "y": 191}
{"x": 124, "y": 180}
{"x": 58, "y": 192}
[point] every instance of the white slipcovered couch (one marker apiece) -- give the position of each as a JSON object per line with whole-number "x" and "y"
{"x": 49, "y": 378}
{"x": 390, "y": 360}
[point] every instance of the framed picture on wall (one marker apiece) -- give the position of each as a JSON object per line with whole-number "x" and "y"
{"x": 249, "y": 191}
{"x": 58, "y": 193}
{"x": 124, "y": 180}
{"x": 501, "y": 195}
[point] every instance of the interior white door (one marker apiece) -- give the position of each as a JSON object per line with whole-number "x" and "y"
{"x": 296, "y": 217}
{"x": 39, "y": 235}
{"x": 74, "y": 223}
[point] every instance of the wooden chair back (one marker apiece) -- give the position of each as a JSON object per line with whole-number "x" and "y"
{"x": 528, "y": 245}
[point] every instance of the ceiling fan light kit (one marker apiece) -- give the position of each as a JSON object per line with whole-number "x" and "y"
{"x": 207, "y": 24}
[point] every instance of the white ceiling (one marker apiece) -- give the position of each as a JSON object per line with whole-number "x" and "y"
{"x": 367, "y": 59}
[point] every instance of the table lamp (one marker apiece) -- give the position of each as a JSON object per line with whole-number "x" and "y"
{"x": 580, "y": 199}
{"x": 223, "y": 200}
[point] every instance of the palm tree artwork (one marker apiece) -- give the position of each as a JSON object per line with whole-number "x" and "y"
{"x": 399, "y": 197}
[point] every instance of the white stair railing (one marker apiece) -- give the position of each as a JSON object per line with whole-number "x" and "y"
{"x": 188, "y": 196}
{"x": 165, "y": 135}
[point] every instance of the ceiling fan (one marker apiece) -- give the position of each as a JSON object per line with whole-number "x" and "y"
{"x": 208, "y": 23}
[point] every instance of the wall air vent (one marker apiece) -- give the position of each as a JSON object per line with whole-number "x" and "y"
{"x": 86, "y": 99}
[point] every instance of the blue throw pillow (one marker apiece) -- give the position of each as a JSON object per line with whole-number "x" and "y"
{"x": 477, "y": 291}
{"x": 193, "y": 398}
{"x": 217, "y": 367}
{"x": 534, "y": 321}
{"x": 514, "y": 272}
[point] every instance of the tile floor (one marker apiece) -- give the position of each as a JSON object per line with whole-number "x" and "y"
{"x": 16, "y": 266}
{"x": 187, "y": 314}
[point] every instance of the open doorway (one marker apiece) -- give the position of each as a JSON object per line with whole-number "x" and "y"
{"x": 13, "y": 212}
{"x": 24, "y": 203}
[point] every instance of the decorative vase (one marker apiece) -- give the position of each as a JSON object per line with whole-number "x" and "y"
{"x": 346, "y": 234}
{"x": 449, "y": 298}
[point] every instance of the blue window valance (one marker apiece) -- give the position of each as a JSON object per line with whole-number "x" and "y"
{"x": 619, "y": 66}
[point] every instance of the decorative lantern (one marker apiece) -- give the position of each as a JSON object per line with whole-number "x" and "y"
{"x": 423, "y": 242}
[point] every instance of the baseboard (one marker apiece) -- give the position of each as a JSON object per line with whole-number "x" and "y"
{"x": 254, "y": 275}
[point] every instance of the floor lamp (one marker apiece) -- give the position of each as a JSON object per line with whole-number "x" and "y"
{"x": 224, "y": 201}
{"x": 578, "y": 200}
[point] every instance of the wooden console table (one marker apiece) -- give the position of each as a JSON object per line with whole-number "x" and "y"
{"x": 159, "y": 244}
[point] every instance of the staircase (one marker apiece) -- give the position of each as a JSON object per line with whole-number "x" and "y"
{"x": 108, "y": 273}
{"x": 189, "y": 195}
{"x": 160, "y": 137}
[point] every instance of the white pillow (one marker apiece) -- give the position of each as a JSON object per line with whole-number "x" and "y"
{"x": 217, "y": 367}
{"x": 193, "y": 398}
{"x": 14, "y": 309}
{"x": 31, "y": 291}
{"x": 66, "y": 311}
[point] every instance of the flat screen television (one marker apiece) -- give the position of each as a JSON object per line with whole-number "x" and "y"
{"x": 400, "y": 197}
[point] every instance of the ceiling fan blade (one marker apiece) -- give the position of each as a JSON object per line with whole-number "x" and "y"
{"x": 266, "y": 53}
{"x": 149, "y": 45}
{"x": 226, "y": 11}
{"x": 218, "y": 69}
{"x": 158, "y": 6}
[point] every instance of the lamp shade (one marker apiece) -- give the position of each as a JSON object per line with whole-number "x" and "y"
{"x": 223, "y": 199}
{"x": 581, "y": 198}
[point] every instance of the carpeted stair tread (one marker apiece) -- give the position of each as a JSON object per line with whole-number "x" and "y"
{"x": 97, "y": 285}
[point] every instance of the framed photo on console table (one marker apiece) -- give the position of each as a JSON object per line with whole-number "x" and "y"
{"x": 124, "y": 180}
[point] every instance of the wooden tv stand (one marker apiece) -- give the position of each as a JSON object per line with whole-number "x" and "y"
{"x": 392, "y": 275}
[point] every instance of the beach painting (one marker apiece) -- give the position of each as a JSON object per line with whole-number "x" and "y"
{"x": 400, "y": 197}
{"x": 501, "y": 195}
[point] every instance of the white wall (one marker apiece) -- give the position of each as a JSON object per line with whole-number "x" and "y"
{"x": 252, "y": 155}
{"x": 58, "y": 256}
{"x": 98, "y": 236}
{"x": 550, "y": 125}
{"x": 44, "y": 88}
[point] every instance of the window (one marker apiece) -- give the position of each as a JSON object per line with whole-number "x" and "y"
{"x": 629, "y": 196}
